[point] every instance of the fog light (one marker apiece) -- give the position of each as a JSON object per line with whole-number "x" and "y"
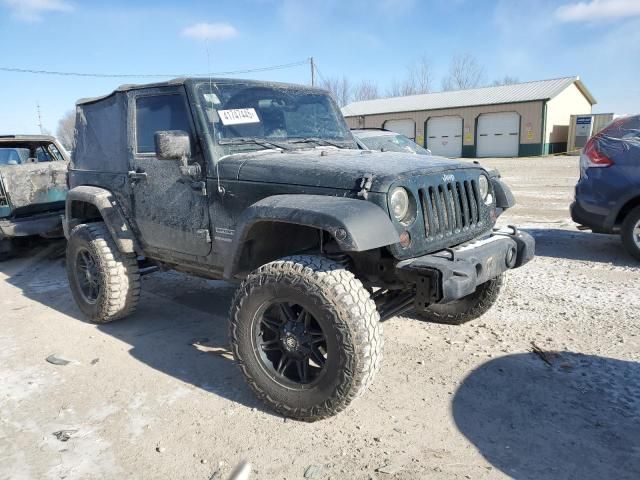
{"x": 405, "y": 239}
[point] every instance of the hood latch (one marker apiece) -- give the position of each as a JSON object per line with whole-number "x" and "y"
{"x": 365, "y": 186}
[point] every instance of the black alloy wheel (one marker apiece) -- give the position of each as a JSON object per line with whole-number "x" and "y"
{"x": 88, "y": 275}
{"x": 292, "y": 345}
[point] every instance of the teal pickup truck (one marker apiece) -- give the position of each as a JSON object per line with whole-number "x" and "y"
{"x": 33, "y": 188}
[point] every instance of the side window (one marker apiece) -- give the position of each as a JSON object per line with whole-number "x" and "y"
{"x": 42, "y": 155}
{"x": 55, "y": 153}
{"x": 157, "y": 113}
{"x": 631, "y": 130}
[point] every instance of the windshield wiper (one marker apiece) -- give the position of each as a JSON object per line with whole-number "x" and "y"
{"x": 256, "y": 141}
{"x": 318, "y": 141}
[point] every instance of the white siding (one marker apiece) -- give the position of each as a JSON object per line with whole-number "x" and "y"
{"x": 569, "y": 102}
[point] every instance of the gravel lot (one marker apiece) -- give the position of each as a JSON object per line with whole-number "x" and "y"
{"x": 157, "y": 395}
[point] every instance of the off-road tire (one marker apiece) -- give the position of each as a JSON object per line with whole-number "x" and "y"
{"x": 348, "y": 310}
{"x": 465, "y": 309}
{"x": 118, "y": 272}
{"x": 627, "y": 234}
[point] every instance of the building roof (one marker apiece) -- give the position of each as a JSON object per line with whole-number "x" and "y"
{"x": 518, "y": 92}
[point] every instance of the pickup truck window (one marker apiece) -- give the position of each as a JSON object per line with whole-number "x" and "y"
{"x": 55, "y": 153}
{"x": 43, "y": 155}
{"x": 156, "y": 113}
{"x": 13, "y": 156}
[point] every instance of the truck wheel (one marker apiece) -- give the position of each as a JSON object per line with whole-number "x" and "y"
{"x": 306, "y": 335}
{"x": 6, "y": 249}
{"x": 105, "y": 282}
{"x": 467, "y": 308}
{"x": 630, "y": 232}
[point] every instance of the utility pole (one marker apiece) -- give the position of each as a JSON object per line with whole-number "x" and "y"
{"x": 313, "y": 72}
{"x": 39, "y": 118}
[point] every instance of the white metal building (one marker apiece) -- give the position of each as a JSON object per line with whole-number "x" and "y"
{"x": 507, "y": 121}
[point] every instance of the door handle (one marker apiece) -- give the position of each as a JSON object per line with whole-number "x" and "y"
{"x": 137, "y": 175}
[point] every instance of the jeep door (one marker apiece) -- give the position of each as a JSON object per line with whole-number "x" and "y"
{"x": 170, "y": 209}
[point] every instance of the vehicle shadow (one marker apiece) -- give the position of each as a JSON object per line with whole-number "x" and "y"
{"x": 576, "y": 418}
{"x": 581, "y": 245}
{"x": 179, "y": 329}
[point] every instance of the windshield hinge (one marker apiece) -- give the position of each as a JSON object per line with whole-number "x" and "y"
{"x": 365, "y": 185}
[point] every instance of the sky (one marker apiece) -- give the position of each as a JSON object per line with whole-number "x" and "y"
{"x": 375, "y": 40}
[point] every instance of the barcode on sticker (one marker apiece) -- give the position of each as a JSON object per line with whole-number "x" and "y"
{"x": 238, "y": 116}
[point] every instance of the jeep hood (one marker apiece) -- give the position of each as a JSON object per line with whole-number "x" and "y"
{"x": 333, "y": 168}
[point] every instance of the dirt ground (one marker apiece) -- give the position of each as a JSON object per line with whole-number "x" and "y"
{"x": 158, "y": 396}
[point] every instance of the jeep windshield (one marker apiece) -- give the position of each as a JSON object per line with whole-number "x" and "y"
{"x": 245, "y": 116}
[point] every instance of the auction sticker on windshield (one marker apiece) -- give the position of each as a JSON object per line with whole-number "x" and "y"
{"x": 238, "y": 116}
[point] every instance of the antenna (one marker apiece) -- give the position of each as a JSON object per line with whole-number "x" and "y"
{"x": 313, "y": 72}
{"x": 39, "y": 118}
{"x": 206, "y": 47}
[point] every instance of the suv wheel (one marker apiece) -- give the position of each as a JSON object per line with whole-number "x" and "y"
{"x": 467, "y": 308}
{"x": 105, "y": 282}
{"x": 631, "y": 232}
{"x": 306, "y": 335}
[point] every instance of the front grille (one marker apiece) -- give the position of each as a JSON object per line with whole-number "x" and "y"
{"x": 450, "y": 208}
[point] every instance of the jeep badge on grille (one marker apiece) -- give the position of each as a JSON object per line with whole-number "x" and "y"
{"x": 448, "y": 177}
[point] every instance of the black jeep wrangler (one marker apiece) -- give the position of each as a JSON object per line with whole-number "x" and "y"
{"x": 263, "y": 183}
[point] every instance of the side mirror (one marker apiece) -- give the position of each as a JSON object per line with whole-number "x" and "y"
{"x": 172, "y": 145}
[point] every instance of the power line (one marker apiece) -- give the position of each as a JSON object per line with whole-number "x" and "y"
{"x": 315, "y": 66}
{"x": 155, "y": 75}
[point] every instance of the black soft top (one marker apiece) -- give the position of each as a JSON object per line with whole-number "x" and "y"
{"x": 191, "y": 80}
{"x": 101, "y": 124}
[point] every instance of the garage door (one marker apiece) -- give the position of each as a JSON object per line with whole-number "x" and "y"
{"x": 444, "y": 136}
{"x": 498, "y": 135}
{"x": 406, "y": 127}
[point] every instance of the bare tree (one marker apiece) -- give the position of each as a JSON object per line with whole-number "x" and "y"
{"x": 464, "y": 72}
{"x": 339, "y": 87}
{"x": 66, "y": 128}
{"x": 394, "y": 89}
{"x": 419, "y": 80}
{"x": 365, "y": 90}
{"x": 420, "y": 77}
{"x": 506, "y": 80}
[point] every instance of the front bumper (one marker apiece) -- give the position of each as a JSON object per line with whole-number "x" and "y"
{"x": 32, "y": 225}
{"x": 454, "y": 273}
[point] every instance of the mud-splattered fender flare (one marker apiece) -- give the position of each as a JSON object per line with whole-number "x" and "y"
{"x": 106, "y": 203}
{"x": 356, "y": 225}
{"x": 504, "y": 195}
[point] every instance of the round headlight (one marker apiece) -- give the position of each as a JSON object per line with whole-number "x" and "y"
{"x": 399, "y": 203}
{"x": 483, "y": 183}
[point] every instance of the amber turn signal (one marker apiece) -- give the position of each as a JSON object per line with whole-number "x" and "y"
{"x": 405, "y": 239}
